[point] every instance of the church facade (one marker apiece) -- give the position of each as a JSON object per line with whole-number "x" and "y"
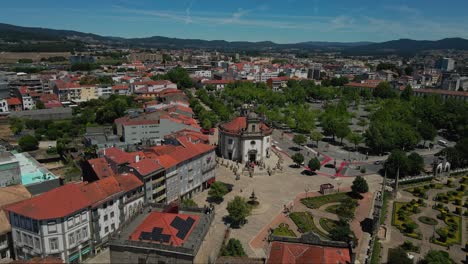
{"x": 245, "y": 139}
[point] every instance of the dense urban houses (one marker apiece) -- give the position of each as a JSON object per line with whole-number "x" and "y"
{"x": 67, "y": 91}
{"x": 72, "y": 221}
{"x": 245, "y": 138}
{"x": 278, "y": 83}
{"x": 163, "y": 237}
{"x": 9, "y": 195}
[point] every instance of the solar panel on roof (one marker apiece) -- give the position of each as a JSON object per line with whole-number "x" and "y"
{"x": 183, "y": 226}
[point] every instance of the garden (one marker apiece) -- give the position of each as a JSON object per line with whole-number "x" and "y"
{"x": 402, "y": 220}
{"x": 420, "y": 191}
{"x": 318, "y": 201}
{"x": 283, "y": 230}
{"x": 451, "y": 233}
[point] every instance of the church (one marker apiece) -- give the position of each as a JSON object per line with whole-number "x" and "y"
{"x": 245, "y": 138}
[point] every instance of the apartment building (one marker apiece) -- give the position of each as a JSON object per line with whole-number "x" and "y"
{"x": 73, "y": 221}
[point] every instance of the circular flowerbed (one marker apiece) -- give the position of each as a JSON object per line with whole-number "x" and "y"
{"x": 427, "y": 220}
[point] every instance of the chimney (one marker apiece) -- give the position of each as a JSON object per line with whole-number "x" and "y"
{"x": 137, "y": 158}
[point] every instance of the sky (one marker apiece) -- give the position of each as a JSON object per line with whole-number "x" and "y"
{"x": 281, "y": 21}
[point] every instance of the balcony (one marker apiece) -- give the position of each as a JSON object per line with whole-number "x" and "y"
{"x": 160, "y": 188}
{"x": 158, "y": 180}
{"x": 160, "y": 198}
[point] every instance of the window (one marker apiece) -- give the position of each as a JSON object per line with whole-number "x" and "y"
{"x": 71, "y": 238}
{"x": 253, "y": 127}
{"x": 112, "y": 214}
{"x": 77, "y": 219}
{"x": 141, "y": 260}
{"x": 78, "y": 236}
{"x": 24, "y": 238}
{"x": 70, "y": 222}
{"x": 105, "y": 217}
{"x": 84, "y": 232}
{"x": 111, "y": 203}
{"x": 37, "y": 243}
{"x": 30, "y": 241}
{"x": 230, "y": 141}
{"x": 53, "y": 243}
{"x": 18, "y": 236}
{"x": 106, "y": 230}
{"x": 84, "y": 216}
{"x": 252, "y": 142}
{"x": 51, "y": 227}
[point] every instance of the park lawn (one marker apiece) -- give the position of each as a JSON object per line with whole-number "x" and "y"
{"x": 451, "y": 219}
{"x": 316, "y": 202}
{"x": 327, "y": 224}
{"x": 451, "y": 196}
{"x": 305, "y": 223}
{"x": 420, "y": 191}
{"x": 283, "y": 230}
{"x": 375, "y": 259}
{"x": 386, "y": 197}
{"x": 400, "y": 223}
{"x": 332, "y": 209}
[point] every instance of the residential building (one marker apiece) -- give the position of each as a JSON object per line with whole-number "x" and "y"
{"x": 309, "y": 248}
{"x": 3, "y": 106}
{"x": 73, "y": 221}
{"x": 278, "y": 83}
{"x": 162, "y": 237}
{"x": 67, "y": 91}
{"x": 88, "y": 92}
{"x": 10, "y": 173}
{"x": 245, "y": 138}
{"x": 9, "y": 195}
{"x": 14, "y": 104}
{"x": 446, "y": 64}
{"x": 34, "y": 176}
{"x": 32, "y": 82}
{"x": 455, "y": 82}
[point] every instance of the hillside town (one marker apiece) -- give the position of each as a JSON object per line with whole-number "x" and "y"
{"x": 118, "y": 154}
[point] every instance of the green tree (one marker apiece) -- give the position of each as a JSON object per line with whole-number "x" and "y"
{"x": 233, "y": 248}
{"x": 397, "y": 160}
{"x": 28, "y": 143}
{"x": 409, "y": 70}
{"x": 342, "y": 131}
{"x": 299, "y": 139}
{"x": 40, "y": 105}
{"x": 16, "y": 125}
{"x": 355, "y": 139}
{"x": 398, "y": 256}
{"x": 314, "y": 164}
{"x": 180, "y": 76}
{"x": 189, "y": 203}
{"x": 298, "y": 158}
{"x": 407, "y": 93}
{"x": 206, "y": 123}
{"x": 437, "y": 257}
{"x": 415, "y": 163}
{"x": 238, "y": 210}
{"x": 346, "y": 210}
{"x": 360, "y": 185}
{"x": 218, "y": 190}
{"x": 427, "y": 131}
{"x": 316, "y": 136}
{"x": 341, "y": 232}
{"x": 384, "y": 90}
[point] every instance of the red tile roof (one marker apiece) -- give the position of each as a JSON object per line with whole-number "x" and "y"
{"x": 163, "y": 221}
{"x": 283, "y": 252}
{"x": 237, "y": 124}
{"x": 13, "y": 101}
{"x": 120, "y": 157}
{"x": 128, "y": 181}
{"x": 66, "y": 85}
{"x": 101, "y": 168}
{"x": 120, "y": 87}
{"x": 146, "y": 166}
{"x": 73, "y": 197}
{"x": 279, "y": 79}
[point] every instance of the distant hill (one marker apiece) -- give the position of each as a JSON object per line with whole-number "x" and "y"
{"x": 16, "y": 38}
{"x": 407, "y": 46}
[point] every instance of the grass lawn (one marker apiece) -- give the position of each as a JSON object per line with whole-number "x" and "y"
{"x": 386, "y": 197}
{"x": 327, "y": 224}
{"x": 452, "y": 231}
{"x": 375, "y": 259}
{"x": 316, "y": 202}
{"x": 283, "y": 230}
{"x": 332, "y": 209}
{"x": 420, "y": 191}
{"x": 305, "y": 223}
{"x": 427, "y": 220}
{"x": 401, "y": 218}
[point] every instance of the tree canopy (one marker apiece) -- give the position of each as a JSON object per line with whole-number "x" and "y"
{"x": 238, "y": 210}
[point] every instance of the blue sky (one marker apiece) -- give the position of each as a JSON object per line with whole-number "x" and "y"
{"x": 282, "y": 21}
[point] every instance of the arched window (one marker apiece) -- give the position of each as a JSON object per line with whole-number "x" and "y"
{"x": 252, "y": 142}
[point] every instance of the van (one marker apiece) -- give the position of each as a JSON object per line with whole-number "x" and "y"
{"x": 442, "y": 143}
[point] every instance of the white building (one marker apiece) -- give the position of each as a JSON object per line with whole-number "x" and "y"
{"x": 245, "y": 138}
{"x": 3, "y": 106}
{"x": 71, "y": 221}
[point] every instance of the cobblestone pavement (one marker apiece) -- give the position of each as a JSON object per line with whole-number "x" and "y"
{"x": 273, "y": 192}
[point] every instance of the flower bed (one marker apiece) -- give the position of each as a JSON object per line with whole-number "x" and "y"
{"x": 283, "y": 230}
{"x": 402, "y": 220}
{"x": 316, "y": 202}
